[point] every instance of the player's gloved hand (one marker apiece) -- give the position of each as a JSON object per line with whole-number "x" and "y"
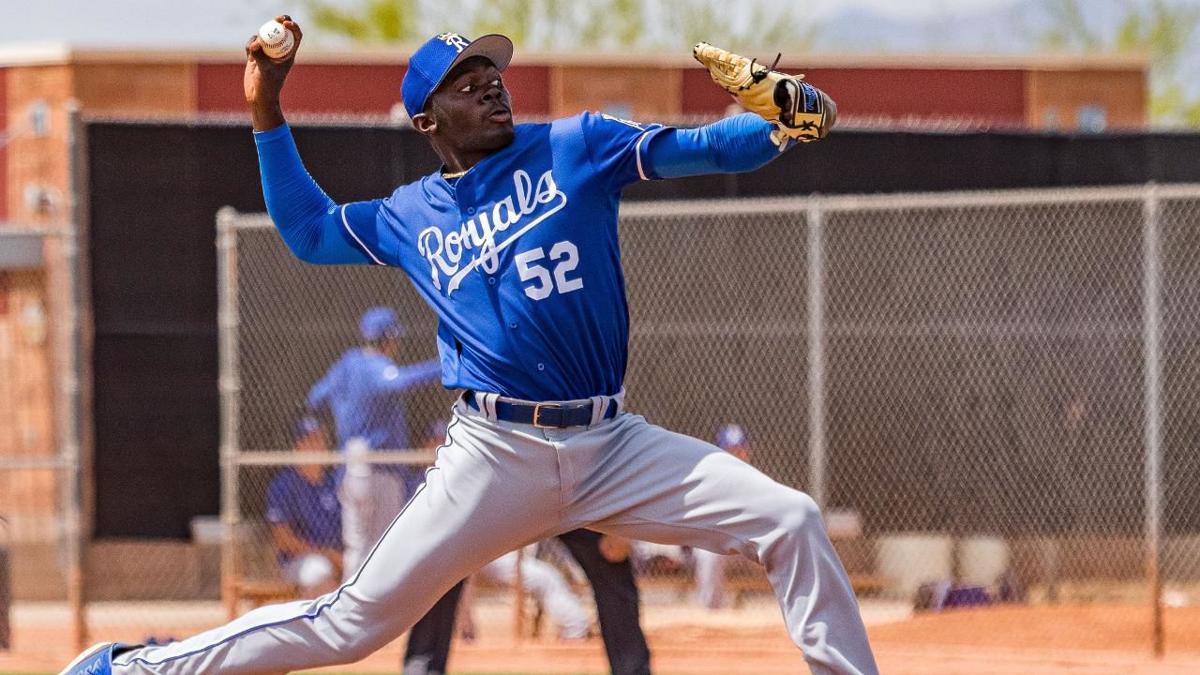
{"x": 263, "y": 78}
{"x": 799, "y": 110}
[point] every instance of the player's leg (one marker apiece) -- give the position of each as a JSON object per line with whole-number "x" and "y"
{"x": 357, "y": 485}
{"x": 644, "y": 482}
{"x": 488, "y": 493}
{"x": 429, "y": 640}
{"x": 617, "y": 603}
{"x": 710, "y": 578}
{"x": 541, "y": 580}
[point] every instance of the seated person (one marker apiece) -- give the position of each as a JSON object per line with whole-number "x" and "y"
{"x": 306, "y": 518}
{"x": 548, "y": 585}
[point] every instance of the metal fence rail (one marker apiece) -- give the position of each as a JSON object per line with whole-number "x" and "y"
{"x": 41, "y": 550}
{"x": 993, "y": 389}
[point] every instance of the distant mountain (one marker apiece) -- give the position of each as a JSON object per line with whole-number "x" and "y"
{"x": 1014, "y": 28}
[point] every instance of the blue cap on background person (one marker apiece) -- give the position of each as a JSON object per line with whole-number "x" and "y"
{"x": 428, "y": 66}
{"x": 378, "y": 323}
{"x": 731, "y": 436}
{"x": 305, "y": 427}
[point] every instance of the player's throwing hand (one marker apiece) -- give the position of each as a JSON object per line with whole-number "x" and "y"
{"x": 264, "y": 77}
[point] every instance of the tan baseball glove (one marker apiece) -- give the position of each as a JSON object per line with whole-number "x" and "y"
{"x": 799, "y": 110}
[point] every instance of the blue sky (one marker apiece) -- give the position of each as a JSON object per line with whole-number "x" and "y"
{"x": 215, "y": 23}
{"x": 906, "y": 8}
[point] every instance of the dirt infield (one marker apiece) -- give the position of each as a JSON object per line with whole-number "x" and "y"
{"x": 1074, "y": 628}
{"x": 1008, "y": 640}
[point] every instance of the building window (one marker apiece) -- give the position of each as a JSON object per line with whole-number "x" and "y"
{"x": 1092, "y": 118}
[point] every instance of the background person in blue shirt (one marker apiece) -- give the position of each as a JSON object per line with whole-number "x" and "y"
{"x": 363, "y": 391}
{"x": 306, "y": 518}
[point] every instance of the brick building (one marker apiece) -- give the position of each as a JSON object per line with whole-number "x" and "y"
{"x": 1022, "y": 92}
{"x": 38, "y": 87}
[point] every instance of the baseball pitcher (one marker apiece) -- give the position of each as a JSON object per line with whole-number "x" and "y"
{"x": 513, "y": 243}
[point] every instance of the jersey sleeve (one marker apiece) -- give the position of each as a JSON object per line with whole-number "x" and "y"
{"x": 315, "y": 228}
{"x": 732, "y": 145}
{"x": 616, "y": 147}
{"x": 396, "y": 379}
{"x": 278, "y": 512}
{"x": 370, "y": 226}
{"x": 321, "y": 393}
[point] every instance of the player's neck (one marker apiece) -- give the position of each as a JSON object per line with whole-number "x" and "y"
{"x": 458, "y": 161}
{"x": 386, "y": 353}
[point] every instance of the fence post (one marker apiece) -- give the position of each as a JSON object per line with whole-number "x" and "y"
{"x": 6, "y": 593}
{"x": 1151, "y": 335}
{"x": 816, "y": 352}
{"x": 75, "y": 474}
{"x": 230, "y": 388}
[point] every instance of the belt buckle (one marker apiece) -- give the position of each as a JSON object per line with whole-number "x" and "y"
{"x": 537, "y": 415}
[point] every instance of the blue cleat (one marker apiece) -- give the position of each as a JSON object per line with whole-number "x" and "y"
{"x": 95, "y": 660}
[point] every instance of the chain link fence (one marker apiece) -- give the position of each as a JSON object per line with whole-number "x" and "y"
{"x": 992, "y": 395}
{"x": 283, "y": 326}
{"x": 40, "y": 549}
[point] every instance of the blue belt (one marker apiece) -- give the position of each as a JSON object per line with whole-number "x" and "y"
{"x": 545, "y": 415}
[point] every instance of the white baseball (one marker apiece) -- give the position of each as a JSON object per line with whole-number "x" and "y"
{"x": 276, "y": 40}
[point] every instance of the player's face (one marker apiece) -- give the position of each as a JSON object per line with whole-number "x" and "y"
{"x": 390, "y": 346}
{"x": 472, "y": 109}
{"x": 314, "y": 441}
{"x": 741, "y": 451}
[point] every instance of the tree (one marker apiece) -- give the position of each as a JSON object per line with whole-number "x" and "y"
{"x": 568, "y": 25}
{"x": 1160, "y": 29}
{"x": 377, "y": 21}
{"x": 754, "y": 27}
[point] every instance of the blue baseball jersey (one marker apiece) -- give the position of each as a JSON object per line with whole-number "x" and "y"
{"x": 519, "y": 258}
{"x": 312, "y": 511}
{"x": 363, "y": 390}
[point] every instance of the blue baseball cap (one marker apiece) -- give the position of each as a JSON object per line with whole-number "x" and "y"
{"x": 380, "y": 322}
{"x": 731, "y": 436}
{"x": 430, "y": 64}
{"x": 305, "y": 426}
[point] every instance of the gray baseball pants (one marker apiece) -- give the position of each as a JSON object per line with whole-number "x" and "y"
{"x": 497, "y": 486}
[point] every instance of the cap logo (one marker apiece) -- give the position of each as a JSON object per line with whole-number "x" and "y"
{"x": 454, "y": 40}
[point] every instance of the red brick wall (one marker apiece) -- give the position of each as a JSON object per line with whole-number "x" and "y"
{"x": 363, "y": 89}
{"x": 530, "y": 87}
{"x": 996, "y": 96}
{"x": 350, "y": 89}
{"x": 3, "y": 154}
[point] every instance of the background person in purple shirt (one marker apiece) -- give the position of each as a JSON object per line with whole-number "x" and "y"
{"x": 305, "y": 516}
